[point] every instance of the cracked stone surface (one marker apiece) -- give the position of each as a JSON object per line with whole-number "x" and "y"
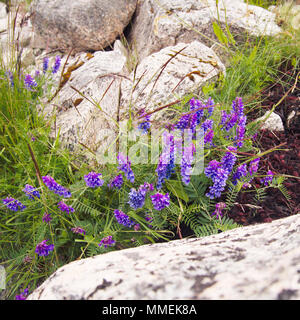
{"x": 162, "y": 23}
{"x": 255, "y": 262}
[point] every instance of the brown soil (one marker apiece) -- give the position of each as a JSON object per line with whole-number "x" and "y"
{"x": 285, "y": 161}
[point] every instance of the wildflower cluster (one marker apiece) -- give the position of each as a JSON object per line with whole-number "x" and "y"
{"x": 93, "y": 180}
{"x": 123, "y": 219}
{"x": 31, "y": 192}
{"x": 13, "y": 204}
{"x": 43, "y": 250}
{"x": 55, "y": 187}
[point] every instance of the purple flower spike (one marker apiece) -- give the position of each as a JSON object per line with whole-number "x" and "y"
{"x": 229, "y": 159}
{"x": 43, "y": 250}
{"x": 160, "y": 201}
{"x": 145, "y": 125}
{"x": 45, "y": 64}
{"x": 56, "y": 64}
{"x": 106, "y": 241}
{"x": 125, "y": 166}
{"x": 55, "y": 187}
{"x": 268, "y": 179}
{"x": 23, "y": 295}
{"x": 117, "y": 182}
{"x": 13, "y": 204}
{"x": 219, "y": 207}
{"x": 241, "y": 171}
{"x": 93, "y": 180}
{"x": 78, "y": 230}
{"x": 136, "y": 199}
{"x": 47, "y": 217}
{"x": 253, "y": 166}
{"x": 123, "y": 219}
{"x": 29, "y": 82}
{"x": 64, "y": 207}
{"x": 31, "y": 192}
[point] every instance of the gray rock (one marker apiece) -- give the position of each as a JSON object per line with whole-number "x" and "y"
{"x": 81, "y": 25}
{"x": 255, "y": 262}
{"x": 162, "y": 23}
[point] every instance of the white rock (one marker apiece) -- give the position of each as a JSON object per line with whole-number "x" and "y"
{"x": 272, "y": 123}
{"x": 158, "y": 24}
{"x": 86, "y": 124}
{"x": 77, "y": 118}
{"x": 160, "y": 80}
{"x": 255, "y": 262}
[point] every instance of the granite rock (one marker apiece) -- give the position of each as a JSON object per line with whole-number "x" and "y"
{"x": 255, "y": 262}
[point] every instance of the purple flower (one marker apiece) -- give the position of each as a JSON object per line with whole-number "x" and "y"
{"x": 31, "y": 192}
{"x": 241, "y": 171}
{"x": 146, "y": 187}
{"x": 253, "y": 166}
{"x": 268, "y": 179}
{"x": 229, "y": 159}
{"x": 160, "y": 201}
{"x": 166, "y": 163}
{"x": 136, "y": 199}
{"x": 93, "y": 180}
{"x": 106, "y": 241}
{"x": 183, "y": 122}
{"x": 13, "y": 204}
{"x": 78, "y": 230}
{"x": 56, "y": 64}
{"x": 197, "y": 105}
{"x": 224, "y": 117}
{"x": 23, "y": 295}
{"x": 210, "y": 106}
{"x": 47, "y": 217}
{"x": 207, "y": 124}
{"x": 240, "y": 134}
{"x": 145, "y": 125}
{"x": 219, "y": 207}
{"x": 42, "y": 249}
{"x": 137, "y": 227}
{"x": 29, "y": 82}
{"x": 238, "y": 106}
{"x": 211, "y": 170}
{"x": 209, "y": 136}
{"x": 231, "y": 121}
{"x": 186, "y": 163}
{"x": 64, "y": 207}
{"x": 125, "y": 166}
{"x": 45, "y": 64}
{"x": 117, "y": 182}
{"x": 55, "y": 187}
{"x": 219, "y": 181}
{"x": 123, "y": 219}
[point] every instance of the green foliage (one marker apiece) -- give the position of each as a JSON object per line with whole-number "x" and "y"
{"x": 27, "y": 153}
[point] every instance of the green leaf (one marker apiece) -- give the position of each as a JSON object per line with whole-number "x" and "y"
{"x": 220, "y": 34}
{"x": 177, "y": 189}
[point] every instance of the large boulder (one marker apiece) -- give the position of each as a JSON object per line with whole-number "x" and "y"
{"x": 82, "y": 25}
{"x": 159, "y": 78}
{"x": 168, "y": 75}
{"x": 255, "y": 262}
{"x": 158, "y": 24}
{"x": 86, "y": 106}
